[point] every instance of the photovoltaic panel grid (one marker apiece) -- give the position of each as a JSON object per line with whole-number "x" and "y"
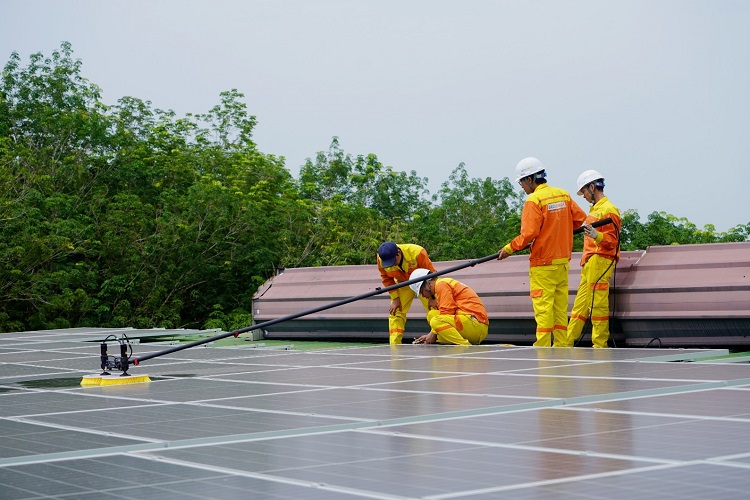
{"x": 379, "y": 422}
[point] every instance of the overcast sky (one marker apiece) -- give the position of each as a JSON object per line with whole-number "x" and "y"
{"x": 653, "y": 94}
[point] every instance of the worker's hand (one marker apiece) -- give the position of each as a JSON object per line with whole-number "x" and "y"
{"x": 395, "y": 306}
{"x": 503, "y": 254}
{"x": 430, "y": 338}
{"x": 589, "y": 231}
{"x": 432, "y": 303}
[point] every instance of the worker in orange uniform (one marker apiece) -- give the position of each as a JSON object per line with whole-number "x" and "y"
{"x": 601, "y": 252}
{"x": 396, "y": 263}
{"x": 458, "y": 315}
{"x": 547, "y": 221}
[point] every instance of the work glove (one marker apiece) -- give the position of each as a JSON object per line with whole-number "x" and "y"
{"x": 589, "y": 231}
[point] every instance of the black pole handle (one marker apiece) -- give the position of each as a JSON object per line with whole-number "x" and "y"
{"x": 377, "y": 291}
{"x": 598, "y": 223}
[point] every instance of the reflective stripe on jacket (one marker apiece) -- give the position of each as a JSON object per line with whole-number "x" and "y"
{"x": 454, "y": 297}
{"x": 547, "y": 221}
{"x": 607, "y": 237}
{"x": 414, "y": 257}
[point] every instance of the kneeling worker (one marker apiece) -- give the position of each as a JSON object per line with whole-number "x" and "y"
{"x": 457, "y": 315}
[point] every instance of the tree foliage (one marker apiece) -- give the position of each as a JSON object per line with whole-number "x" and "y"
{"x": 353, "y": 205}
{"x": 127, "y": 215}
{"x": 469, "y": 217}
{"x": 662, "y": 228}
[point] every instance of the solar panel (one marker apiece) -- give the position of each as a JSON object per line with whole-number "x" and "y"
{"x": 381, "y": 422}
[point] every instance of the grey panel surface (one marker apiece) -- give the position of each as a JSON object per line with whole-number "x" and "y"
{"x": 650, "y": 370}
{"x": 372, "y": 404}
{"x": 657, "y": 438}
{"x": 709, "y": 403}
{"x": 13, "y": 372}
{"x": 24, "y": 439}
{"x": 29, "y": 403}
{"x": 177, "y": 422}
{"x": 34, "y": 356}
{"x": 375, "y": 422}
{"x": 537, "y": 387}
{"x": 398, "y": 465}
{"x": 123, "y": 477}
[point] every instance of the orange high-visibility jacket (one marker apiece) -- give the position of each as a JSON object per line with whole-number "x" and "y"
{"x": 608, "y": 237}
{"x": 547, "y": 221}
{"x": 454, "y": 297}
{"x": 414, "y": 257}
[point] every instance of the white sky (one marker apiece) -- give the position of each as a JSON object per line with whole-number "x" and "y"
{"x": 653, "y": 94}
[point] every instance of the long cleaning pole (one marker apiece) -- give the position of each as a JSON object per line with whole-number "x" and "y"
{"x": 377, "y": 291}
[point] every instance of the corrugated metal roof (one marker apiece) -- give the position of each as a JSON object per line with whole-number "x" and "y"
{"x": 688, "y": 295}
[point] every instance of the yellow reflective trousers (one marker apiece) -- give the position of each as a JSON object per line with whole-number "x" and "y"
{"x": 397, "y": 322}
{"x": 595, "y": 276}
{"x": 549, "y": 296}
{"x": 459, "y": 329}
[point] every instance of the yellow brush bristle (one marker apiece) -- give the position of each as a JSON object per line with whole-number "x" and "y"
{"x": 125, "y": 380}
{"x": 113, "y": 380}
{"x": 90, "y": 381}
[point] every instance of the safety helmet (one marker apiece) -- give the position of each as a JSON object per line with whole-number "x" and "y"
{"x": 588, "y": 177}
{"x": 418, "y": 273}
{"x": 528, "y": 166}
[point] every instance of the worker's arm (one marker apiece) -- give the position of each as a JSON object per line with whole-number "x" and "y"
{"x": 579, "y": 216}
{"x": 531, "y": 224}
{"x": 607, "y": 237}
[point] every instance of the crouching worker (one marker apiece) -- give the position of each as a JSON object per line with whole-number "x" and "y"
{"x": 456, "y": 316}
{"x": 396, "y": 263}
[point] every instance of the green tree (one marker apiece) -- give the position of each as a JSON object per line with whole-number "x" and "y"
{"x": 213, "y": 236}
{"x": 329, "y": 176}
{"x": 352, "y": 205}
{"x": 469, "y": 217}
{"x": 52, "y": 150}
{"x": 363, "y": 181}
{"x": 127, "y": 215}
{"x": 740, "y": 232}
{"x": 392, "y": 194}
{"x": 662, "y": 228}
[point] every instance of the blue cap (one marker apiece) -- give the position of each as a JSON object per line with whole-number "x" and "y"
{"x": 387, "y": 254}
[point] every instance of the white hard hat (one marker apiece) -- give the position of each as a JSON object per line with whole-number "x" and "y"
{"x": 587, "y": 177}
{"x": 528, "y": 166}
{"x": 418, "y": 273}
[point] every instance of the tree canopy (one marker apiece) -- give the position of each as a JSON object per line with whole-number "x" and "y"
{"x": 126, "y": 215}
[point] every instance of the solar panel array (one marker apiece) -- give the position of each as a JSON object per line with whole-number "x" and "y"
{"x": 379, "y": 422}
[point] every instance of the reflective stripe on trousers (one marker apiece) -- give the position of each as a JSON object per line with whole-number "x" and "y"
{"x": 446, "y": 326}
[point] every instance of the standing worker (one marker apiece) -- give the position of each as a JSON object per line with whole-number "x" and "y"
{"x": 547, "y": 221}
{"x": 396, "y": 263}
{"x": 460, "y": 317}
{"x": 601, "y": 252}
